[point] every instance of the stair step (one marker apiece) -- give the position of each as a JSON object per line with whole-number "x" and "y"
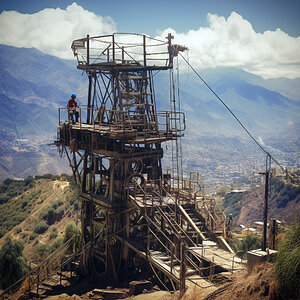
{"x": 34, "y": 295}
{"x": 138, "y": 104}
{"x": 132, "y": 77}
{"x": 47, "y": 285}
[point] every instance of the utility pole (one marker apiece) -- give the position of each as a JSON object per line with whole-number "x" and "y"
{"x": 264, "y": 244}
{"x": 267, "y": 179}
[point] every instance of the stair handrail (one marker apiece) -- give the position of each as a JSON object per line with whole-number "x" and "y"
{"x": 32, "y": 272}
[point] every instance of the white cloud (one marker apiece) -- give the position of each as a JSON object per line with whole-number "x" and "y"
{"x": 230, "y": 42}
{"x": 52, "y": 30}
{"x": 234, "y": 43}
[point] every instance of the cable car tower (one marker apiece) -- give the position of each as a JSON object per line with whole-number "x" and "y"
{"x": 133, "y": 216}
{"x": 115, "y": 148}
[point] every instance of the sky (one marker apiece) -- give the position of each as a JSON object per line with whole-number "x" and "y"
{"x": 262, "y": 37}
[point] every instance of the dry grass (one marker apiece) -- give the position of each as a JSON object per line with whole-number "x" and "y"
{"x": 260, "y": 283}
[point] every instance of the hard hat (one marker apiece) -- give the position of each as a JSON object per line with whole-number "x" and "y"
{"x": 74, "y": 95}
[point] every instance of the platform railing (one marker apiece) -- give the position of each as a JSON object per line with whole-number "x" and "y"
{"x": 126, "y": 49}
{"x": 162, "y": 122}
{"x": 213, "y": 215}
{"x": 187, "y": 183}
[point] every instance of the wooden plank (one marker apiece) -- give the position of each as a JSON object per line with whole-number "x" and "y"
{"x": 191, "y": 222}
{"x": 219, "y": 257}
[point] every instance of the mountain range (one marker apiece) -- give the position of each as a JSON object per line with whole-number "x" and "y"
{"x": 33, "y": 85}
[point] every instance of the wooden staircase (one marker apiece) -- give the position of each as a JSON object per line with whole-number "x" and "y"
{"x": 179, "y": 245}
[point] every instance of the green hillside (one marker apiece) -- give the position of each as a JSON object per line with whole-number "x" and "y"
{"x": 247, "y": 207}
{"x": 36, "y": 211}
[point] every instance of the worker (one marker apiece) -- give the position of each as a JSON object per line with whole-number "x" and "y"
{"x": 73, "y": 109}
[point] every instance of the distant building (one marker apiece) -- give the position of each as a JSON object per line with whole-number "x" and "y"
{"x": 237, "y": 191}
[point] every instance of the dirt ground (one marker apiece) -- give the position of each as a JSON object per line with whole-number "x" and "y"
{"x": 260, "y": 283}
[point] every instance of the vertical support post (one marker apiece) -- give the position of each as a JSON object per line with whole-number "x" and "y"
{"x": 264, "y": 245}
{"x": 111, "y": 180}
{"x": 90, "y": 80}
{"x": 88, "y": 52}
{"x": 182, "y": 269}
{"x": 113, "y": 46}
{"x": 170, "y": 49}
{"x": 144, "y": 49}
{"x": 123, "y": 57}
{"x": 148, "y": 237}
{"x": 37, "y": 283}
{"x": 91, "y": 217}
{"x": 172, "y": 259}
{"x": 88, "y": 117}
{"x": 211, "y": 268}
{"x": 29, "y": 285}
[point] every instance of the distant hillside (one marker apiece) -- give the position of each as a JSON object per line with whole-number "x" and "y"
{"x": 247, "y": 207}
{"x": 34, "y": 84}
{"x": 36, "y": 211}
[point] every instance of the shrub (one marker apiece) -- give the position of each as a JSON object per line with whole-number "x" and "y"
{"x": 53, "y": 235}
{"x": 24, "y": 204}
{"x": 3, "y": 188}
{"x": 57, "y": 203}
{"x": 48, "y": 215}
{"x": 12, "y": 263}
{"x": 250, "y": 242}
{"x": 11, "y": 193}
{"x": 73, "y": 231}
{"x": 7, "y": 181}
{"x": 65, "y": 176}
{"x": 235, "y": 243}
{"x": 222, "y": 191}
{"x": 4, "y": 199}
{"x": 43, "y": 251}
{"x": 59, "y": 213}
{"x": 18, "y": 230}
{"x": 28, "y": 180}
{"x": 287, "y": 265}
{"x": 41, "y": 227}
{"x": 32, "y": 236}
{"x": 57, "y": 244}
{"x": 24, "y": 235}
{"x": 2, "y": 231}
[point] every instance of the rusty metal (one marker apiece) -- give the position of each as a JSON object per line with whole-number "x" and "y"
{"x": 115, "y": 153}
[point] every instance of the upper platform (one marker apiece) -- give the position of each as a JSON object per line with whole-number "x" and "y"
{"x": 124, "y": 51}
{"x": 122, "y": 125}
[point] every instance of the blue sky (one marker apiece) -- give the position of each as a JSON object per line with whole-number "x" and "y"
{"x": 259, "y": 36}
{"x": 153, "y": 15}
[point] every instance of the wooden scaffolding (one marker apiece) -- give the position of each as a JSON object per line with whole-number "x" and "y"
{"x": 153, "y": 222}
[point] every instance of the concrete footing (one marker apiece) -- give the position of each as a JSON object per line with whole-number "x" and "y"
{"x": 256, "y": 257}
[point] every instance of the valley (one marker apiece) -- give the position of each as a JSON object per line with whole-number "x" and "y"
{"x": 213, "y": 144}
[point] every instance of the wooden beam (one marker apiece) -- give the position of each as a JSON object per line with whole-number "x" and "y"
{"x": 191, "y": 222}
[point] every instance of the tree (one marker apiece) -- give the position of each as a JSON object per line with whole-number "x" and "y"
{"x": 12, "y": 262}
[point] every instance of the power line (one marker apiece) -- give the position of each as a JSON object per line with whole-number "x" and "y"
{"x": 237, "y": 119}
